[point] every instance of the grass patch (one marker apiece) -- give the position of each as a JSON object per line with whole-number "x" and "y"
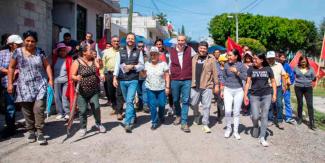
{"x": 319, "y": 91}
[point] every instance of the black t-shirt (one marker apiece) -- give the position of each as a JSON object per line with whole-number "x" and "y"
{"x": 260, "y": 80}
{"x": 199, "y": 69}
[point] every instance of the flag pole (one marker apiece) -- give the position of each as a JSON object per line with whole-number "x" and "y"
{"x": 319, "y": 61}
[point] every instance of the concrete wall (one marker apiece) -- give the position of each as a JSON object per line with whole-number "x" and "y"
{"x": 18, "y": 16}
{"x": 64, "y": 15}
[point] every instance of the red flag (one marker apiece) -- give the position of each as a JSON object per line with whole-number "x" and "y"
{"x": 231, "y": 44}
{"x": 102, "y": 43}
{"x": 315, "y": 66}
{"x": 322, "y": 54}
{"x": 295, "y": 60}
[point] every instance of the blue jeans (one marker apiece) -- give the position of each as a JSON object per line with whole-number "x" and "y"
{"x": 157, "y": 99}
{"x": 287, "y": 103}
{"x": 10, "y": 109}
{"x": 142, "y": 94}
{"x": 181, "y": 88}
{"x": 276, "y": 109}
{"x": 128, "y": 90}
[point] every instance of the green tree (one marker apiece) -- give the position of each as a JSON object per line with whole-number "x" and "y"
{"x": 255, "y": 45}
{"x": 162, "y": 18}
{"x": 183, "y": 30}
{"x": 274, "y": 33}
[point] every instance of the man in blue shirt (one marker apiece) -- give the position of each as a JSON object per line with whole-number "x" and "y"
{"x": 290, "y": 80}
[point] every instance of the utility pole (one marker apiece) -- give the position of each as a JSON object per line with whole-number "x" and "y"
{"x": 236, "y": 17}
{"x": 130, "y": 16}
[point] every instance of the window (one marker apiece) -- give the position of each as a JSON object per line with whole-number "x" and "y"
{"x": 99, "y": 27}
{"x": 150, "y": 34}
{"x": 81, "y": 22}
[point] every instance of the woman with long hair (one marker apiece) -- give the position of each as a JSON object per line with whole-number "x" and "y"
{"x": 258, "y": 77}
{"x": 305, "y": 75}
{"x": 234, "y": 73}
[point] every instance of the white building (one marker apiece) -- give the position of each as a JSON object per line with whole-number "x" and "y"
{"x": 146, "y": 26}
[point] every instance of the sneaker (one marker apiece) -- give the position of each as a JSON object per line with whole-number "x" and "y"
{"x": 197, "y": 120}
{"x": 154, "y": 127}
{"x": 128, "y": 129}
{"x": 206, "y": 129}
{"x": 170, "y": 112}
{"x": 280, "y": 126}
{"x": 119, "y": 117}
{"x": 101, "y": 128}
{"x": 177, "y": 120}
{"x": 227, "y": 133}
{"x": 290, "y": 120}
{"x": 59, "y": 117}
{"x": 66, "y": 116}
{"x": 255, "y": 132}
{"x": 41, "y": 140}
{"x": 236, "y": 135}
{"x": 31, "y": 137}
{"x": 146, "y": 109}
{"x": 299, "y": 121}
{"x": 83, "y": 132}
{"x": 185, "y": 128}
{"x": 264, "y": 142}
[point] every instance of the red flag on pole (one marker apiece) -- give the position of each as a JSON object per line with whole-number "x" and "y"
{"x": 102, "y": 43}
{"x": 318, "y": 71}
{"x": 322, "y": 54}
{"x": 231, "y": 44}
{"x": 295, "y": 60}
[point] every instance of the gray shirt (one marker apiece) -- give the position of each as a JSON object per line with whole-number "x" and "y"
{"x": 304, "y": 80}
{"x": 60, "y": 71}
{"x": 231, "y": 80}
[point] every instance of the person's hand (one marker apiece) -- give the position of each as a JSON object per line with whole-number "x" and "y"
{"x": 216, "y": 89}
{"x": 274, "y": 98}
{"x": 246, "y": 100}
{"x": 102, "y": 78}
{"x": 167, "y": 90}
{"x": 51, "y": 83}
{"x": 78, "y": 78}
{"x": 221, "y": 94}
{"x": 284, "y": 89}
{"x": 233, "y": 69}
{"x": 115, "y": 83}
{"x": 10, "y": 88}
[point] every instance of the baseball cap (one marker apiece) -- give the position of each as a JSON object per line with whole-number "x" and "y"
{"x": 14, "y": 39}
{"x": 223, "y": 58}
{"x": 270, "y": 54}
{"x": 154, "y": 49}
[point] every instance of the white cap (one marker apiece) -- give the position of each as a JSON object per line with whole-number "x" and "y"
{"x": 270, "y": 54}
{"x": 154, "y": 49}
{"x": 14, "y": 39}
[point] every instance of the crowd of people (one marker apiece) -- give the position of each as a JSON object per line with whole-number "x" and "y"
{"x": 254, "y": 84}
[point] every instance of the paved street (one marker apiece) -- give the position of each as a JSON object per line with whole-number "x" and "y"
{"x": 167, "y": 144}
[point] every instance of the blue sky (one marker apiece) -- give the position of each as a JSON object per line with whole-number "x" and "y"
{"x": 196, "y": 14}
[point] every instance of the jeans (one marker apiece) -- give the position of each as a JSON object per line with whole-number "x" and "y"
{"x": 260, "y": 108}
{"x": 83, "y": 107}
{"x": 157, "y": 99}
{"x": 34, "y": 115}
{"x": 308, "y": 93}
{"x": 119, "y": 99}
{"x": 181, "y": 89}
{"x": 233, "y": 101}
{"x": 205, "y": 97}
{"x": 220, "y": 104}
{"x": 61, "y": 101}
{"x": 110, "y": 90}
{"x": 142, "y": 94}
{"x": 10, "y": 109}
{"x": 287, "y": 103}
{"x": 277, "y": 107}
{"x": 128, "y": 90}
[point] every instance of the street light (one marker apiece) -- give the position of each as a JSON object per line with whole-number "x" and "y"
{"x": 236, "y": 18}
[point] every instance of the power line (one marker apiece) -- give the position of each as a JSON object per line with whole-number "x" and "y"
{"x": 155, "y": 5}
{"x": 249, "y": 5}
{"x": 184, "y": 9}
{"x": 256, "y": 4}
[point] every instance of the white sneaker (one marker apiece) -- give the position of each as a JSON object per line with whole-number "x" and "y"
{"x": 101, "y": 128}
{"x": 82, "y": 132}
{"x": 264, "y": 142}
{"x": 206, "y": 129}
{"x": 59, "y": 117}
{"x": 237, "y": 136}
{"x": 66, "y": 116}
{"x": 227, "y": 133}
